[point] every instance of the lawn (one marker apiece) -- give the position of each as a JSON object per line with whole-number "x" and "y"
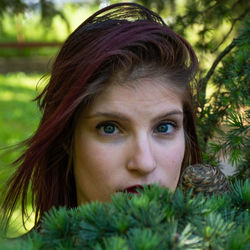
{"x": 19, "y": 117}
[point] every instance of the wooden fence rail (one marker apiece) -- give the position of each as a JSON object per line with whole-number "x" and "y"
{"x": 22, "y": 45}
{"x": 28, "y": 64}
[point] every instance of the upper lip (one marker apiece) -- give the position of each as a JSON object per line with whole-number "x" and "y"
{"x": 133, "y": 189}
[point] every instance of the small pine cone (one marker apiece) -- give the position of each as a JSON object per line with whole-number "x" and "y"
{"x": 204, "y": 178}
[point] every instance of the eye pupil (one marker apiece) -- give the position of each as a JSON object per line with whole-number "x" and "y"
{"x": 109, "y": 129}
{"x": 163, "y": 128}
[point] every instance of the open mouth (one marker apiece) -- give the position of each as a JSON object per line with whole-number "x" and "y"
{"x": 133, "y": 189}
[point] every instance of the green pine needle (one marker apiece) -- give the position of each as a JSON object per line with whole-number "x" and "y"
{"x": 154, "y": 219}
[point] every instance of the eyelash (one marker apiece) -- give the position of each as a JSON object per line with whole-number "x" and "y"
{"x": 171, "y": 123}
{"x": 101, "y": 126}
{"x": 107, "y": 123}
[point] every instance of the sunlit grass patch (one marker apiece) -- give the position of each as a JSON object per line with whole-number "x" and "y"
{"x": 16, "y": 227}
{"x": 19, "y": 117}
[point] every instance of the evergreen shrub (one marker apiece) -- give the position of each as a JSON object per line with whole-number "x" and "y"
{"x": 154, "y": 219}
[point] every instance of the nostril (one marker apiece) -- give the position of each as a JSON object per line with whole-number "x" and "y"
{"x": 142, "y": 164}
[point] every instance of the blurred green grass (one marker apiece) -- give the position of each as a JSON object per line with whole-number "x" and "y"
{"x": 19, "y": 117}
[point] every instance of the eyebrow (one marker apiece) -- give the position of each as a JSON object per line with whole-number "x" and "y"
{"x": 120, "y": 116}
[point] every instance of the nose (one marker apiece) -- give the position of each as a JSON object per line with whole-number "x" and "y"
{"x": 142, "y": 158}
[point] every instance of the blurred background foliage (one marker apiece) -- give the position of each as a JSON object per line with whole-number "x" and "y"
{"x": 31, "y": 32}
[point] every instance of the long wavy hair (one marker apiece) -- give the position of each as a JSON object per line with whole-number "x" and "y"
{"x": 122, "y": 41}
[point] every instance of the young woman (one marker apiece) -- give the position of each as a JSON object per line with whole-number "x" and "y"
{"x": 117, "y": 113}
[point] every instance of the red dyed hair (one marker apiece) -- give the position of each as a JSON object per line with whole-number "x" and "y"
{"x": 122, "y": 41}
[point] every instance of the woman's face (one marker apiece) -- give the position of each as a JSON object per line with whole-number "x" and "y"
{"x": 129, "y": 136}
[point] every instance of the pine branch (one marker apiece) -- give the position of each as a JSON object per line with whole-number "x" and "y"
{"x": 236, "y": 3}
{"x": 174, "y": 221}
{"x": 182, "y": 18}
{"x": 239, "y": 18}
{"x": 203, "y": 11}
{"x": 204, "y": 81}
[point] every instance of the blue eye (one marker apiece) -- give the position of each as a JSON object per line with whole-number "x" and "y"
{"x": 165, "y": 128}
{"x": 108, "y": 128}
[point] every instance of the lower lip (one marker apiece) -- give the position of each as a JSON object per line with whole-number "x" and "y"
{"x": 132, "y": 190}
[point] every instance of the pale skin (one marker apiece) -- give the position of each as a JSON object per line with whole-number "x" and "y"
{"x": 129, "y": 136}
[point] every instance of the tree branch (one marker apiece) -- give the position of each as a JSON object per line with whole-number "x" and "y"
{"x": 202, "y": 11}
{"x": 231, "y": 29}
{"x": 216, "y": 62}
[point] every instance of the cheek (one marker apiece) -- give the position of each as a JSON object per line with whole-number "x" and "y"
{"x": 94, "y": 170}
{"x": 170, "y": 161}
{"x": 91, "y": 159}
{"x": 96, "y": 162}
{"x": 176, "y": 155}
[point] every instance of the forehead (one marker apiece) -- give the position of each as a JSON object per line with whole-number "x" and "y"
{"x": 150, "y": 95}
